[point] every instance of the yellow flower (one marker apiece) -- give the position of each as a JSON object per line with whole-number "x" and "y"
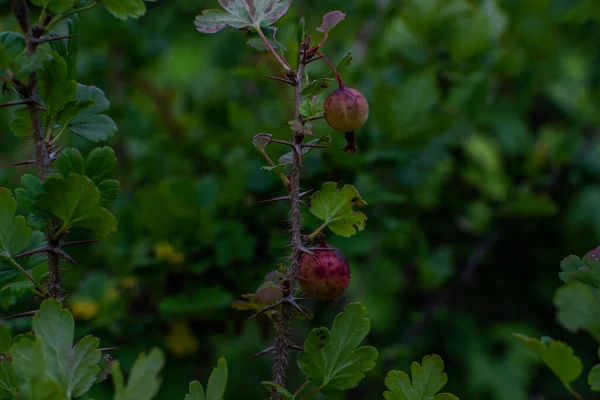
{"x": 84, "y": 309}
{"x": 128, "y": 282}
{"x": 166, "y": 251}
{"x": 181, "y": 340}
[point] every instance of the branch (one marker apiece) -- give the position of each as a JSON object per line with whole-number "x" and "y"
{"x": 42, "y": 150}
{"x": 284, "y": 333}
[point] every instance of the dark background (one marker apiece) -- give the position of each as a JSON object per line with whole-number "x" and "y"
{"x": 479, "y": 164}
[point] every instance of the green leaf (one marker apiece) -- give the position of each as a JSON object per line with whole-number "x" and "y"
{"x": 109, "y": 191}
{"x": 68, "y": 49}
{"x": 5, "y": 339}
{"x": 21, "y": 125}
{"x": 26, "y": 65}
{"x": 100, "y": 164}
{"x": 69, "y": 161}
{"x": 196, "y": 392}
{"x": 343, "y": 64}
{"x": 14, "y": 232}
{"x": 301, "y": 30}
{"x": 312, "y": 108}
{"x": 9, "y": 381}
{"x": 76, "y": 202}
{"x": 556, "y": 355}
{"x": 285, "y": 394}
{"x": 27, "y": 353}
{"x": 13, "y": 43}
{"x": 575, "y": 269}
{"x": 56, "y": 6}
{"x": 32, "y": 185}
{"x": 75, "y": 368}
{"x": 89, "y": 123}
{"x": 317, "y": 86}
{"x": 333, "y": 360}
{"x": 330, "y": 20}
{"x": 217, "y": 382}
{"x": 336, "y": 208}
{"x": 242, "y": 14}
{"x": 71, "y": 110}
{"x": 576, "y": 305}
{"x": 123, "y": 9}
{"x": 143, "y": 382}
{"x": 428, "y": 379}
{"x": 594, "y": 376}
{"x": 55, "y": 88}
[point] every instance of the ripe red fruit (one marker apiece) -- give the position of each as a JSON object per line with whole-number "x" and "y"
{"x": 346, "y": 110}
{"x": 326, "y": 276}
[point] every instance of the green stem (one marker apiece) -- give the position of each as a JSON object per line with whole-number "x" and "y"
{"x": 317, "y": 231}
{"x": 27, "y": 275}
{"x": 59, "y": 17}
{"x": 301, "y": 388}
{"x": 313, "y": 392}
{"x": 268, "y": 44}
{"x": 42, "y": 15}
{"x": 337, "y": 75}
{"x": 574, "y": 393}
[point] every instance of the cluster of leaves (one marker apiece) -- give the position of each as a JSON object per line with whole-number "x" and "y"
{"x": 577, "y": 305}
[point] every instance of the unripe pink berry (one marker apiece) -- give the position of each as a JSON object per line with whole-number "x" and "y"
{"x": 346, "y": 110}
{"x": 326, "y": 276}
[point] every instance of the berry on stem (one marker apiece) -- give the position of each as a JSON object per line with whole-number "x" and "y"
{"x": 324, "y": 276}
{"x": 346, "y": 110}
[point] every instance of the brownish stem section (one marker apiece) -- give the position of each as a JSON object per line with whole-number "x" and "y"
{"x": 284, "y": 331}
{"x": 42, "y": 150}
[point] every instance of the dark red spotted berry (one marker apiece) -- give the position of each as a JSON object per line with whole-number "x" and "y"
{"x": 326, "y": 276}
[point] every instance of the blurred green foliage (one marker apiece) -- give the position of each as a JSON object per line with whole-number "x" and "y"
{"x": 480, "y": 164}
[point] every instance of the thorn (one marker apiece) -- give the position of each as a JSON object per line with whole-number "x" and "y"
{"x": 289, "y": 300}
{"x": 107, "y": 349}
{"x": 79, "y": 242}
{"x": 282, "y": 142}
{"x": 267, "y": 308}
{"x": 53, "y": 38}
{"x": 32, "y": 252}
{"x": 25, "y": 314}
{"x": 292, "y": 301}
{"x": 315, "y": 146}
{"x": 296, "y": 347}
{"x": 280, "y": 79}
{"x": 303, "y": 193}
{"x": 263, "y": 352}
{"x": 64, "y": 255}
{"x": 275, "y": 199}
{"x": 307, "y": 251}
{"x": 27, "y": 162}
{"x": 16, "y": 103}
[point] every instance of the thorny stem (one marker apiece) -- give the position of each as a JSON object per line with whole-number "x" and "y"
{"x": 337, "y": 75}
{"x": 284, "y": 333}
{"x": 42, "y": 147}
{"x": 272, "y": 50}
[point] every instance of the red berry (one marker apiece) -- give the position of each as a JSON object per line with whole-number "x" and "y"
{"x": 326, "y": 276}
{"x": 346, "y": 110}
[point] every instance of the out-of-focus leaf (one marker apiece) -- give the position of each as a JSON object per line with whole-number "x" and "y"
{"x": 427, "y": 380}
